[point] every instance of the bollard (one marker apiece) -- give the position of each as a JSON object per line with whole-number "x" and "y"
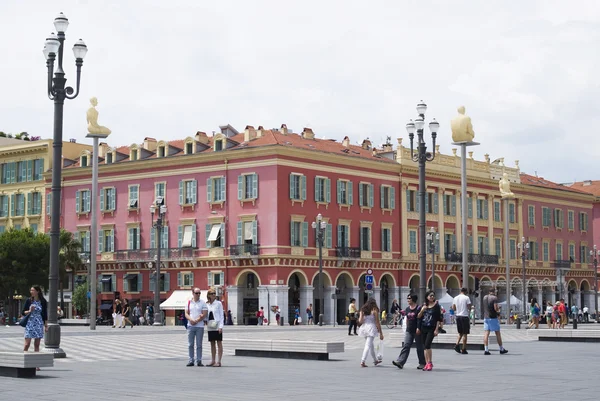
{"x": 518, "y": 322}
{"x": 321, "y": 323}
{"x": 575, "y": 324}
{"x": 281, "y": 321}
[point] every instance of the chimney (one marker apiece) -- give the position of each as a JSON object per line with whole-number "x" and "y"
{"x": 259, "y": 131}
{"x": 308, "y": 133}
{"x": 587, "y": 183}
{"x": 249, "y": 133}
{"x": 150, "y": 144}
{"x": 374, "y": 151}
{"x": 102, "y": 149}
{"x": 284, "y": 129}
{"x": 387, "y": 147}
{"x": 346, "y": 142}
{"x": 202, "y": 137}
{"x": 366, "y": 144}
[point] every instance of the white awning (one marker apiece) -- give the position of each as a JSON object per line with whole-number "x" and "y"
{"x": 248, "y": 230}
{"x": 187, "y": 236}
{"x": 214, "y": 232}
{"x": 179, "y": 299}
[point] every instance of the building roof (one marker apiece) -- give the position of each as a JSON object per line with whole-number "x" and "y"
{"x": 589, "y": 186}
{"x": 527, "y": 179}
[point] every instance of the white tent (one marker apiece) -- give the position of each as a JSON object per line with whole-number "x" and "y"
{"x": 179, "y": 299}
{"x": 514, "y": 301}
{"x": 446, "y": 301}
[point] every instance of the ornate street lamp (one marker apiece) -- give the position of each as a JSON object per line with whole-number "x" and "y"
{"x": 58, "y": 92}
{"x": 160, "y": 210}
{"x": 422, "y": 156}
{"x": 320, "y": 226}
{"x": 432, "y": 238}
{"x": 524, "y": 248}
{"x": 595, "y": 253}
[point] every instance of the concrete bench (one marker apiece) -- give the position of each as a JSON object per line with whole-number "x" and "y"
{"x": 24, "y": 364}
{"x": 568, "y": 335}
{"x": 74, "y": 322}
{"x": 446, "y": 341}
{"x": 291, "y": 349}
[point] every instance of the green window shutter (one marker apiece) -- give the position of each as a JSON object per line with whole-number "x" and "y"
{"x": 12, "y": 205}
{"x": 194, "y": 192}
{"x": 100, "y": 241}
{"x": 383, "y": 240}
{"x": 139, "y": 282}
{"x": 125, "y": 285}
{"x": 181, "y": 183}
{"x": 381, "y": 197}
{"x": 167, "y": 281}
{"x": 101, "y": 199}
{"x": 339, "y": 235}
{"x": 210, "y": 279}
{"x": 329, "y": 234}
{"x": 152, "y": 238}
{"x": 240, "y": 227}
{"x": 292, "y": 235}
{"x": 192, "y": 279}
{"x": 130, "y": 234}
{"x": 178, "y": 279}
{"x": 339, "y": 192}
{"x": 193, "y": 235}
{"x": 427, "y": 202}
{"x": 138, "y": 239}
{"x": 303, "y": 186}
{"x": 223, "y": 236}
{"x": 13, "y": 173}
{"x": 485, "y": 210}
{"x": 78, "y": 201}
{"x": 393, "y": 197}
{"x": 470, "y": 244}
{"x": 453, "y": 205}
{"x": 350, "y": 193}
{"x": 223, "y": 189}
{"x": 292, "y": 186}
{"x": 317, "y": 189}
{"x": 470, "y": 207}
{"x": 371, "y": 195}
{"x": 179, "y": 235}
{"x": 29, "y": 204}
{"x": 209, "y": 197}
{"x": 165, "y": 237}
{"x": 437, "y": 246}
{"x": 327, "y": 190}
{"x": 255, "y": 232}
{"x": 240, "y": 187}
{"x": 112, "y": 240}
{"x": 408, "y": 204}
{"x": 478, "y": 204}
{"x": 48, "y": 203}
{"x": 88, "y": 196}
{"x": 417, "y": 201}
{"x": 435, "y": 203}
{"x": 113, "y": 199}
{"x": 360, "y": 195}
{"x": 41, "y": 169}
{"x": 305, "y": 234}
{"x": 29, "y": 170}
{"x": 444, "y": 204}
{"x": 453, "y": 242}
{"x": 207, "y": 229}
{"x": 255, "y": 186}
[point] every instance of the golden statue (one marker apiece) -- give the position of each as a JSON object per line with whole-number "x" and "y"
{"x": 92, "y": 120}
{"x": 504, "y": 186}
{"x": 462, "y": 129}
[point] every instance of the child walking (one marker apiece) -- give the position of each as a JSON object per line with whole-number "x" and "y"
{"x": 370, "y": 327}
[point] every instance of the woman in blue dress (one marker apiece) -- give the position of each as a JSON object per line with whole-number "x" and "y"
{"x": 37, "y": 309}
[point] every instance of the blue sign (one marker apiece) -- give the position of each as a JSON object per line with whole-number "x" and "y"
{"x": 89, "y": 295}
{"x": 369, "y": 286}
{"x": 369, "y": 279}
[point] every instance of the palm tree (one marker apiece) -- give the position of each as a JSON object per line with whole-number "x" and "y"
{"x": 69, "y": 253}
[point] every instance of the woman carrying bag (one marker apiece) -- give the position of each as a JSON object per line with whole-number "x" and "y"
{"x": 215, "y": 327}
{"x": 36, "y": 312}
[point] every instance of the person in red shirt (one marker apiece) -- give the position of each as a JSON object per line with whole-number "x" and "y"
{"x": 562, "y": 311}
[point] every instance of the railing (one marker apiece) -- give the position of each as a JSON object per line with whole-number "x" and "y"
{"x": 150, "y": 254}
{"x": 563, "y": 264}
{"x": 244, "y": 249}
{"x": 475, "y": 258}
{"x": 347, "y": 252}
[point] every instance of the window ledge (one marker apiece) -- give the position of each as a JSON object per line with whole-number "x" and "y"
{"x": 86, "y": 214}
{"x": 18, "y": 217}
{"x": 219, "y": 203}
{"x": 188, "y": 205}
{"x": 216, "y": 252}
{"x": 368, "y": 208}
{"x": 297, "y": 250}
{"x": 132, "y": 292}
{"x": 386, "y": 209}
{"x": 300, "y": 201}
{"x": 326, "y": 204}
{"x": 341, "y": 205}
{"x": 134, "y": 209}
{"x": 112, "y": 212}
{"x": 247, "y": 200}
{"x": 3, "y": 218}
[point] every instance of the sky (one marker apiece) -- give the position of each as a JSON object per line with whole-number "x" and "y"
{"x": 525, "y": 71}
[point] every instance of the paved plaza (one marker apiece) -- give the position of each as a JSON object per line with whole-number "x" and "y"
{"x": 149, "y": 364}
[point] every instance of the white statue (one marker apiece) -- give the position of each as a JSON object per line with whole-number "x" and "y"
{"x": 462, "y": 128}
{"x": 92, "y": 120}
{"x": 504, "y": 186}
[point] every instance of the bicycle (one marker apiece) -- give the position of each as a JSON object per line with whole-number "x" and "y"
{"x": 393, "y": 320}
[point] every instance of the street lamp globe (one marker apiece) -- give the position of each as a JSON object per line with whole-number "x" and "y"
{"x": 410, "y": 127}
{"x": 421, "y": 108}
{"x": 419, "y": 123}
{"x": 52, "y": 44}
{"x": 434, "y": 126}
{"x": 61, "y": 23}
{"x": 79, "y": 49}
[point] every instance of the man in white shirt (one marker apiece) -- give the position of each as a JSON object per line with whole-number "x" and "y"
{"x": 586, "y": 314}
{"x": 195, "y": 312}
{"x": 461, "y": 306}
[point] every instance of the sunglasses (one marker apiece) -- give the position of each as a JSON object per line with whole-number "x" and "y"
{"x": 431, "y": 295}
{"x": 197, "y": 293}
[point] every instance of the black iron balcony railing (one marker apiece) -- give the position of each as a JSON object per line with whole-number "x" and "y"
{"x": 347, "y": 252}
{"x": 150, "y": 254}
{"x": 475, "y": 258}
{"x": 244, "y": 250}
{"x": 564, "y": 264}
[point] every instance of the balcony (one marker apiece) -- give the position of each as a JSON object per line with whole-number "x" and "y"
{"x": 347, "y": 252}
{"x": 244, "y": 251}
{"x": 473, "y": 258}
{"x": 563, "y": 264}
{"x": 143, "y": 255}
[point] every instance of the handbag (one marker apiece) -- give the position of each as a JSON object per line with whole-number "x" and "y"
{"x": 24, "y": 320}
{"x": 379, "y": 350}
{"x": 213, "y": 325}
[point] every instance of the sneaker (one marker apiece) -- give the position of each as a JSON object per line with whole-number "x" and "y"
{"x": 503, "y": 351}
{"x": 190, "y": 364}
{"x": 428, "y": 367}
{"x": 442, "y": 331}
{"x": 199, "y": 363}
{"x": 421, "y": 367}
{"x": 457, "y": 348}
{"x": 487, "y": 353}
{"x": 464, "y": 352}
{"x": 399, "y": 365}
{"x": 349, "y": 334}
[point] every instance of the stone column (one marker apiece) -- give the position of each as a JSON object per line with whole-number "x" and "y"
{"x": 540, "y": 295}
{"x": 307, "y": 298}
{"x": 278, "y": 296}
{"x": 394, "y": 293}
{"x": 404, "y": 293}
{"x": 577, "y": 299}
{"x": 490, "y": 235}
{"x": 235, "y": 300}
{"x": 329, "y": 304}
{"x": 474, "y": 227}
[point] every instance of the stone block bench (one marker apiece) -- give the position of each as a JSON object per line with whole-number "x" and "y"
{"x": 24, "y": 364}
{"x": 567, "y": 335}
{"x": 291, "y": 349}
{"x": 444, "y": 341}
{"x": 74, "y": 322}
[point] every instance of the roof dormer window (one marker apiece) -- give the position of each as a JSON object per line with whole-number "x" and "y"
{"x": 133, "y": 155}
{"x": 161, "y": 151}
{"x": 189, "y": 148}
{"x": 109, "y": 158}
{"x": 218, "y": 145}
{"x": 84, "y": 161}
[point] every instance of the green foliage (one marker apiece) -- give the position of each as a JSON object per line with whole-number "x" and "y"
{"x": 80, "y": 298}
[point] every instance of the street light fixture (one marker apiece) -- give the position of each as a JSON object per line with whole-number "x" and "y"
{"x": 160, "y": 210}
{"x": 320, "y": 226}
{"x": 422, "y": 157}
{"x": 595, "y": 253}
{"x": 58, "y": 92}
{"x": 524, "y": 248}
{"x": 432, "y": 239}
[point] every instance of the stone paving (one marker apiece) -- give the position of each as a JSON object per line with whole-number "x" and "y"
{"x": 150, "y": 362}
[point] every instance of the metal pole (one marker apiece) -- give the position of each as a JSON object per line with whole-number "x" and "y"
{"x": 596, "y": 287}
{"x": 422, "y": 243}
{"x": 464, "y": 211}
{"x": 524, "y": 283}
{"x": 507, "y": 258}
{"x": 157, "y": 313}
{"x": 321, "y": 300}
{"x": 94, "y": 238}
{"x": 432, "y": 249}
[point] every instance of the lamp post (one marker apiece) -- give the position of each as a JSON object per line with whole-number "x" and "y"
{"x": 320, "y": 226}
{"x": 85, "y": 259}
{"x": 160, "y": 210}
{"x": 595, "y": 253}
{"x": 422, "y": 156}
{"x": 524, "y": 248}
{"x": 432, "y": 238}
{"x": 58, "y": 92}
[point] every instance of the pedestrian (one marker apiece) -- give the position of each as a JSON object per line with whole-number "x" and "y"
{"x": 441, "y": 326}
{"x": 37, "y": 323}
{"x": 534, "y": 309}
{"x": 309, "y": 315}
{"x": 412, "y": 334}
{"x": 472, "y": 315}
{"x": 137, "y": 313}
{"x": 491, "y": 310}
{"x": 395, "y": 312}
{"x": 229, "y": 318}
{"x": 429, "y": 317}
{"x": 260, "y": 316}
{"x": 586, "y": 314}
{"x": 278, "y": 316}
{"x": 151, "y": 313}
{"x": 117, "y": 315}
{"x": 461, "y": 306}
{"x": 352, "y": 317}
{"x": 2, "y": 317}
{"x": 126, "y": 314}
{"x": 215, "y": 328}
{"x": 147, "y": 315}
{"x": 370, "y": 327}
{"x": 195, "y": 313}
{"x": 549, "y": 312}
{"x": 562, "y": 311}
{"x": 297, "y": 317}
{"x": 59, "y": 313}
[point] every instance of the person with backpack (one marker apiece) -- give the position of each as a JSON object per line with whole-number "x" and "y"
{"x": 490, "y": 321}
{"x": 195, "y": 312}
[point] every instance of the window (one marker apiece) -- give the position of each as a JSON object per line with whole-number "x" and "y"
{"x": 160, "y": 190}
{"x": 247, "y": 232}
{"x": 83, "y": 201}
{"x": 34, "y": 203}
{"x": 297, "y": 187}
{"x": 189, "y": 148}
{"x": 343, "y": 235}
{"x": 134, "y": 194}
{"x": 186, "y": 236}
{"x": 299, "y": 233}
{"x": 215, "y": 235}
{"x": 365, "y": 195}
{"x": 450, "y": 242}
{"x": 132, "y": 282}
{"x": 84, "y": 161}
{"x": 583, "y": 221}
{"x": 109, "y": 158}
{"x": 572, "y": 252}
{"x": 9, "y": 173}
{"x": 411, "y": 201}
{"x": 33, "y": 227}
{"x": 344, "y": 192}
{"x": 449, "y": 205}
{"x": 22, "y": 171}
{"x": 327, "y": 237}
{"x": 534, "y": 251}
{"x": 431, "y": 203}
{"x": 48, "y": 203}
{"x": 247, "y": 186}
{"x": 106, "y": 240}
{"x": 513, "y": 249}
{"x": 164, "y": 284}
{"x": 161, "y": 151}
{"x": 17, "y": 227}
{"x": 498, "y": 246}
{"x": 388, "y": 197}
{"x": 20, "y": 205}
{"x": 322, "y": 190}
{"x": 164, "y": 243}
{"x": 134, "y": 154}
{"x": 215, "y": 278}
{"x": 482, "y": 209}
{"x": 559, "y": 251}
{"x": 215, "y": 189}
{"x": 218, "y": 145}
{"x": 412, "y": 241}
{"x": 3, "y": 205}
{"x": 583, "y": 252}
{"x": 511, "y": 213}
{"x": 386, "y": 240}
{"x": 558, "y": 218}
{"x": 188, "y": 191}
{"x": 482, "y": 246}
{"x": 571, "y": 218}
{"x": 185, "y": 279}
{"x": 470, "y": 239}
{"x": 133, "y": 238}
{"x": 365, "y": 238}
{"x": 108, "y": 199}
{"x": 38, "y": 169}
{"x": 469, "y": 207}
{"x": 107, "y": 283}
{"x": 531, "y": 215}
{"x": 84, "y": 239}
{"x": 546, "y": 251}
{"x": 2, "y": 229}
{"x": 546, "y": 217}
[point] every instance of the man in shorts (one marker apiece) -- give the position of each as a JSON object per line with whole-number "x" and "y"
{"x": 461, "y": 306}
{"x": 491, "y": 310}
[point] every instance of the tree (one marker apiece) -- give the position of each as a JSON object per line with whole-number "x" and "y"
{"x": 68, "y": 257}
{"x": 80, "y": 298}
